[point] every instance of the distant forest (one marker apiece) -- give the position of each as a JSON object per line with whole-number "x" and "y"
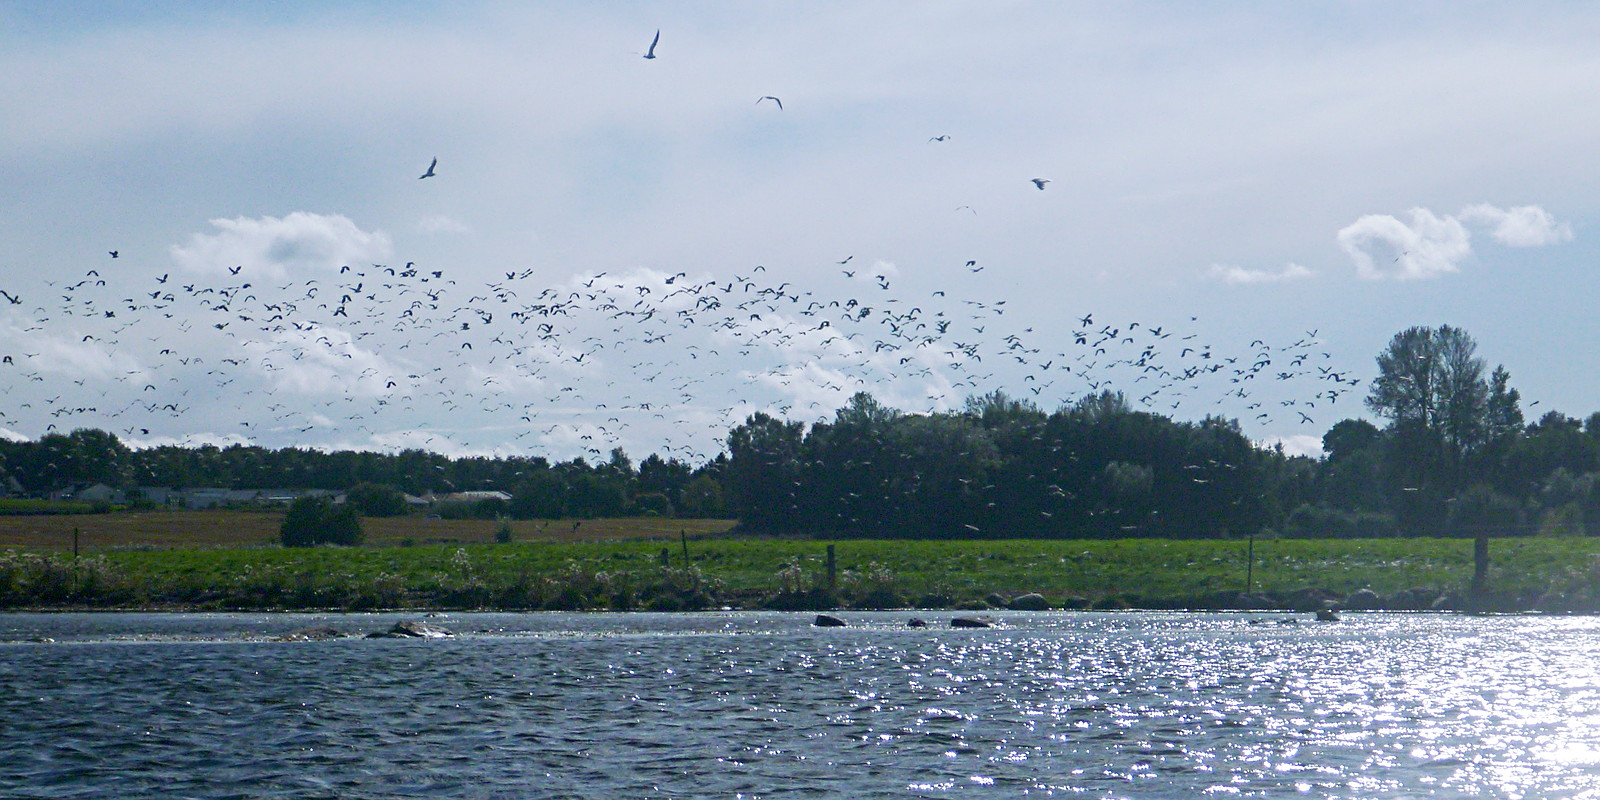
{"x": 1454, "y": 457}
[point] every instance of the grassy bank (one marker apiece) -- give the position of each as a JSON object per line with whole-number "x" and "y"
{"x": 628, "y": 573}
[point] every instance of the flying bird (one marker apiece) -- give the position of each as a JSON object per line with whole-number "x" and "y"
{"x": 652, "y": 51}
{"x": 773, "y": 99}
{"x": 435, "y": 163}
{"x": 113, "y": 254}
{"x": 1040, "y": 182}
{"x": 941, "y": 138}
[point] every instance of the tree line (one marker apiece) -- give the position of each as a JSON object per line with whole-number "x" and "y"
{"x": 1454, "y": 456}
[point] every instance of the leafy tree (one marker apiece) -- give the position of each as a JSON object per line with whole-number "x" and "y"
{"x": 541, "y": 495}
{"x": 702, "y": 499}
{"x": 313, "y": 520}
{"x": 1348, "y": 437}
{"x": 1431, "y": 378}
{"x": 1432, "y": 389}
{"x": 763, "y": 471}
{"x": 1481, "y": 511}
{"x": 376, "y": 500}
{"x": 590, "y": 495}
{"x": 653, "y": 504}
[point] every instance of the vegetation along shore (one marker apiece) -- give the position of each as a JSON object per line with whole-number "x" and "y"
{"x": 636, "y": 564}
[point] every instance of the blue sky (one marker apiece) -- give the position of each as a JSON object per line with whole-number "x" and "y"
{"x": 1295, "y": 178}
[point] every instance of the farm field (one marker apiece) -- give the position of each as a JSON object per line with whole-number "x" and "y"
{"x": 226, "y": 529}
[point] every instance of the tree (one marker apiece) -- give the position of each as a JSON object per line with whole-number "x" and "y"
{"x": 376, "y": 500}
{"x": 1431, "y": 387}
{"x": 702, "y": 498}
{"x": 540, "y": 495}
{"x": 1431, "y": 378}
{"x": 313, "y": 520}
{"x": 763, "y": 471}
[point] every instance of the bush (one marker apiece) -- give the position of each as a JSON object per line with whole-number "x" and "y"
{"x": 653, "y": 504}
{"x": 316, "y": 520}
{"x": 1328, "y": 522}
{"x": 376, "y": 500}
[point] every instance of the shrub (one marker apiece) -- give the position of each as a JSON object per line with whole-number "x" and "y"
{"x": 376, "y": 500}
{"x": 312, "y": 521}
{"x": 653, "y": 504}
{"x": 490, "y": 508}
{"x": 1327, "y": 522}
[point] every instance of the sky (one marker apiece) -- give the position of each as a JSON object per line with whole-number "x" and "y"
{"x": 1244, "y": 203}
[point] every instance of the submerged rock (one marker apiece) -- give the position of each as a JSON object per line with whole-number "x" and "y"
{"x": 972, "y": 622}
{"x": 829, "y": 621}
{"x": 1327, "y": 615}
{"x": 313, "y": 634}
{"x": 916, "y": 622}
{"x": 407, "y": 629}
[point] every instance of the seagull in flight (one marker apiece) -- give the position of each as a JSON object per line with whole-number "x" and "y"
{"x": 773, "y": 99}
{"x": 942, "y": 138}
{"x": 435, "y": 163}
{"x": 652, "y": 52}
{"x": 1040, "y": 182}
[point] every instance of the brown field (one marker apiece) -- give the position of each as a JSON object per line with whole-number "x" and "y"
{"x": 216, "y": 529}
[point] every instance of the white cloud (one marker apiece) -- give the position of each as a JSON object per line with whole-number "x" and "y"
{"x": 324, "y": 360}
{"x": 1298, "y": 445}
{"x": 1240, "y": 275}
{"x": 273, "y": 247}
{"x": 1428, "y": 247}
{"x": 1522, "y": 226}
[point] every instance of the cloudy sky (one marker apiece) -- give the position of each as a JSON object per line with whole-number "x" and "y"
{"x": 621, "y": 251}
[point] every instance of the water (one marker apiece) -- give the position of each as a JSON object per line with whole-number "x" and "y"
{"x": 752, "y": 705}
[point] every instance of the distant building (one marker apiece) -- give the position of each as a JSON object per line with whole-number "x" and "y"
{"x": 473, "y": 497}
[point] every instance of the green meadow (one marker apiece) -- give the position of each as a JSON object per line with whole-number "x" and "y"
{"x": 729, "y": 571}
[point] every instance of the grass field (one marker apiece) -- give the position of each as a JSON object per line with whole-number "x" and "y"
{"x": 228, "y": 560}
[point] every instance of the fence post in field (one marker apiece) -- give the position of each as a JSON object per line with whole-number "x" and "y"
{"x": 1480, "y": 570}
{"x": 684, "y": 535}
{"x": 74, "y": 544}
{"x": 833, "y": 568}
{"x": 1250, "y": 565}
{"x": 666, "y": 557}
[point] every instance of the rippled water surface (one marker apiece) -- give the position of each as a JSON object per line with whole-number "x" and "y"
{"x": 765, "y": 705}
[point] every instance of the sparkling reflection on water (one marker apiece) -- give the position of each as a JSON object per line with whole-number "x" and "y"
{"x": 765, "y": 705}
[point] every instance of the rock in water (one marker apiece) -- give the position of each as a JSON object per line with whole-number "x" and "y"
{"x": 1033, "y": 601}
{"x": 829, "y": 621}
{"x": 972, "y": 622}
{"x": 313, "y": 634}
{"x": 916, "y": 622}
{"x": 407, "y": 629}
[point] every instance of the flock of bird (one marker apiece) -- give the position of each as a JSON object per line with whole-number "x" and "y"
{"x": 379, "y": 349}
{"x": 374, "y": 356}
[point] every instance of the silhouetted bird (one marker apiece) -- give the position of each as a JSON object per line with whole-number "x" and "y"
{"x": 435, "y": 163}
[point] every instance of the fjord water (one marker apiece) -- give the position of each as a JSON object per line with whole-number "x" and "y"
{"x": 741, "y": 704}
